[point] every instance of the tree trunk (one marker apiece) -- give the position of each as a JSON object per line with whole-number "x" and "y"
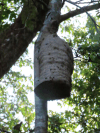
{"x": 15, "y": 39}
{"x": 48, "y": 28}
{"x": 40, "y": 115}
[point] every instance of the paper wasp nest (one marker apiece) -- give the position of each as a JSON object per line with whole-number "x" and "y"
{"x": 55, "y": 67}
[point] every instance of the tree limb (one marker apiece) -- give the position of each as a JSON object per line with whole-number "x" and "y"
{"x": 87, "y": 14}
{"x": 78, "y": 11}
{"x": 15, "y": 40}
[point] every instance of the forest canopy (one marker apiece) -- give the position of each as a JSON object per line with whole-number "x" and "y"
{"x": 20, "y": 23}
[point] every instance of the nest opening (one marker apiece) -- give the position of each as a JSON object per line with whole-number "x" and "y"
{"x": 51, "y": 90}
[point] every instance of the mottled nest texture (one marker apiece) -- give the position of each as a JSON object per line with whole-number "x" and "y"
{"x": 55, "y": 69}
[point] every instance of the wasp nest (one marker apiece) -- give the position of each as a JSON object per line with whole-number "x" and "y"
{"x": 55, "y": 67}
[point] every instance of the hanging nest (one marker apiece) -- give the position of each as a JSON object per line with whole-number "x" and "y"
{"x": 55, "y": 67}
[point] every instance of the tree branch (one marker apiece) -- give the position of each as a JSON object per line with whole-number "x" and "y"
{"x": 87, "y": 14}
{"x": 15, "y": 40}
{"x": 78, "y": 11}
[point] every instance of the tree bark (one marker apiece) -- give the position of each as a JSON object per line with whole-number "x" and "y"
{"x": 41, "y": 118}
{"x": 15, "y": 40}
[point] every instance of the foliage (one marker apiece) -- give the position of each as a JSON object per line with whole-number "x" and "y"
{"x": 9, "y": 10}
{"x": 61, "y": 122}
{"x": 14, "y": 89}
{"x": 85, "y": 97}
